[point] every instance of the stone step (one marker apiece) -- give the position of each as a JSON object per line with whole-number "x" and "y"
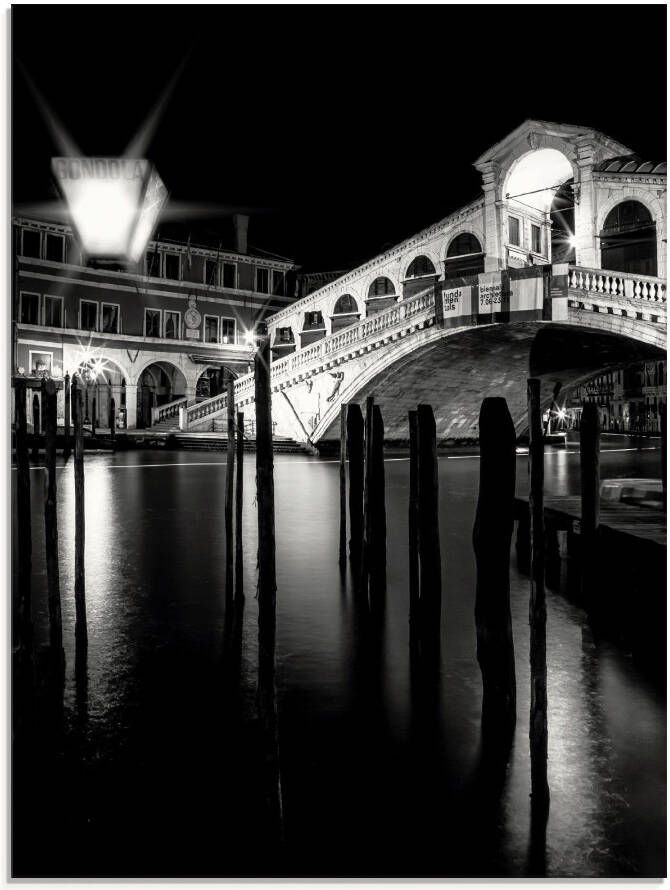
{"x": 202, "y": 442}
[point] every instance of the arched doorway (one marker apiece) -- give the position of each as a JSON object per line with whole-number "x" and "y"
{"x": 159, "y": 383}
{"x": 628, "y": 240}
{"x": 102, "y": 382}
{"x": 563, "y": 224}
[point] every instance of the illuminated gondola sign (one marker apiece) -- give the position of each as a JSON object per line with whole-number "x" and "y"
{"x": 114, "y": 203}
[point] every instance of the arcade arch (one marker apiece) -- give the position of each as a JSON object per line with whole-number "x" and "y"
{"x": 464, "y": 256}
{"x": 628, "y": 239}
{"x": 102, "y": 381}
{"x": 159, "y": 383}
{"x": 345, "y": 312}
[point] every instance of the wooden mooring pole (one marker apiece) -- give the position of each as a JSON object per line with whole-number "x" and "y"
{"x": 239, "y": 506}
{"x": 413, "y": 523}
{"x": 664, "y": 453}
{"x": 367, "y": 493}
{"x": 230, "y": 477}
{"x": 265, "y": 487}
{"x": 66, "y": 416}
{"x": 81, "y": 629}
{"x": 25, "y": 625}
{"x": 50, "y": 396}
{"x": 492, "y": 537}
{"x": 94, "y": 417}
{"x": 430, "y": 574}
{"x": 589, "y": 457}
{"x": 343, "y": 486}
{"x": 112, "y": 418}
{"x": 267, "y": 585}
{"x": 377, "y": 507}
{"x": 36, "y": 426}
{"x": 538, "y": 606}
{"x": 355, "y": 451}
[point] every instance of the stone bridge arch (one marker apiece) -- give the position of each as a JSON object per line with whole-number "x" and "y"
{"x": 454, "y": 370}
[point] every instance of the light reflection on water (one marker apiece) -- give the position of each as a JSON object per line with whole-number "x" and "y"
{"x": 155, "y": 549}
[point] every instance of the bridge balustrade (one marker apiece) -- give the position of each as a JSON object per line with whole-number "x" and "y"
{"x": 419, "y": 310}
{"x": 189, "y": 416}
{"x": 617, "y": 284}
{"x": 170, "y": 409}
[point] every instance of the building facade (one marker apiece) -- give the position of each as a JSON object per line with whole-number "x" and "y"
{"x": 629, "y": 400}
{"x": 170, "y": 329}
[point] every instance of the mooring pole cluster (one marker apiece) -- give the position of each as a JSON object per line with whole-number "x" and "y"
{"x": 362, "y": 441}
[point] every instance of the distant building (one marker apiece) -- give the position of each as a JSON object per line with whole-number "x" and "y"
{"x": 308, "y": 282}
{"x": 628, "y": 399}
{"x": 144, "y": 336}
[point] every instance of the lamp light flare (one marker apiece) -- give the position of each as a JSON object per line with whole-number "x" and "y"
{"x": 114, "y": 203}
{"x": 572, "y": 241}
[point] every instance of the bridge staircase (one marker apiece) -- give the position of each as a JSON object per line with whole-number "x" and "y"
{"x": 203, "y": 426}
{"x": 182, "y": 415}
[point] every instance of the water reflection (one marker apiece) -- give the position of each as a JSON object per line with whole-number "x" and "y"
{"x": 381, "y": 746}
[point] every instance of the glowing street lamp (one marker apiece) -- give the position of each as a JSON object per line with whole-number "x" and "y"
{"x": 114, "y": 203}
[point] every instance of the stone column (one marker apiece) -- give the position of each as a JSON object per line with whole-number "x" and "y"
{"x": 131, "y": 406}
{"x": 494, "y": 258}
{"x": 587, "y": 251}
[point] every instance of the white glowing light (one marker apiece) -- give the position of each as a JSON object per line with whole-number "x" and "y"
{"x": 249, "y": 338}
{"x": 572, "y": 241}
{"x": 561, "y": 413}
{"x": 98, "y": 368}
{"x": 114, "y": 203}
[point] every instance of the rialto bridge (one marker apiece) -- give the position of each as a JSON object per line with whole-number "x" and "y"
{"x": 557, "y": 270}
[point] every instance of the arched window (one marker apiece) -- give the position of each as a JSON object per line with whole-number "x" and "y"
{"x": 464, "y": 257}
{"x": 464, "y": 244}
{"x": 420, "y": 265}
{"x": 628, "y": 240}
{"x": 381, "y": 287}
{"x": 346, "y": 305}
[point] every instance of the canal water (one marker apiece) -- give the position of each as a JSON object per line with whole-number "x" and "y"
{"x": 152, "y": 765}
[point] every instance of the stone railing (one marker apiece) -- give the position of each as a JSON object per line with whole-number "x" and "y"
{"x": 190, "y": 415}
{"x": 165, "y": 412}
{"x": 617, "y": 284}
{"x": 416, "y": 310}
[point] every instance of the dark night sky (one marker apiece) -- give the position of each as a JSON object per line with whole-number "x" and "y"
{"x": 351, "y": 126}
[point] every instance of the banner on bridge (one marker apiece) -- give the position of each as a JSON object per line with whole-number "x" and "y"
{"x": 457, "y": 301}
{"x": 495, "y": 294}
